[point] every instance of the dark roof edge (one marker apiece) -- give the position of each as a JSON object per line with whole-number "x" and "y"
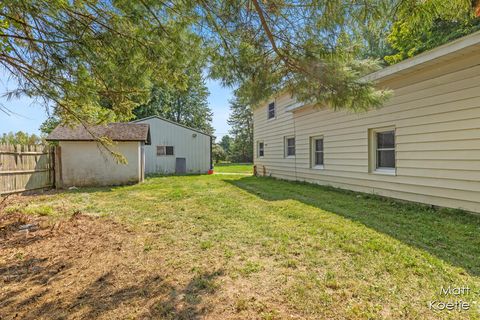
{"x": 81, "y": 133}
{"x": 120, "y": 140}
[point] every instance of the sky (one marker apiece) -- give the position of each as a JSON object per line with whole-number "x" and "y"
{"x": 28, "y": 114}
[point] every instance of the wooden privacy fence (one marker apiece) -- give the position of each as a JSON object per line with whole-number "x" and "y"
{"x": 26, "y": 167}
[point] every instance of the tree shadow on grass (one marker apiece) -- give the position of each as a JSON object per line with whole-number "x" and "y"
{"x": 451, "y": 235}
{"x": 151, "y": 297}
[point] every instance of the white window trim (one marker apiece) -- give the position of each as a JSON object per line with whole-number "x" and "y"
{"x": 285, "y": 147}
{"x": 386, "y": 171}
{"x": 372, "y": 138}
{"x": 258, "y": 149}
{"x": 313, "y": 151}
{"x": 274, "y": 111}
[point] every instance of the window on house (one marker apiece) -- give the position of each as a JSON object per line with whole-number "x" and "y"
{"x": 271, "y": 110}
{"x": 261, "y": 149}
{"x": 290, "y": 146}
{"x": 317, "y": 152}
{"x": 165, "y": 151}
{"x": 384, "y": 150}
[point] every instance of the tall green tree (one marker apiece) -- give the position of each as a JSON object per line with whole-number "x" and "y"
{"x": 226, "y": 143}
{"x": 423, "y": 25}
{"x": 94, "y": 60}
{"x": 187, "y": 105}
{"x": 313, "y": 49}
{"x": 218, "y": 153}
{"x": 98, "y": 60}
{"x": 241, "y": 122}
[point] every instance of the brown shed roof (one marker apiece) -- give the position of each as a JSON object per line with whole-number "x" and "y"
{"x": 114, "y": 131}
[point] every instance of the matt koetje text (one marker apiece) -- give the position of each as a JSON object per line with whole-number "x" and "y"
{"x": 458, "y": 305}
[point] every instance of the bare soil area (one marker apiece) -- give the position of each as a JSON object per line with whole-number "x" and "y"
{"x": 88, "y": 268}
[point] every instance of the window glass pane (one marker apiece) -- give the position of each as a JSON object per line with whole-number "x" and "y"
{"x": 318, "y": 158}
{"x": 290, "y": 146}
{"x": 386, "y": 158}
{"x": 260, "y": 149}
{"x": 319, "y": 145}
{"x": 271, "y": 110}
{"x": 169, "y": 150}
{"x": 386, "y": 140}
{"x": 160, "y": 150}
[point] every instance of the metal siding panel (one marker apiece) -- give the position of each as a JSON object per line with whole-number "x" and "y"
{"x": 196, "y": 150}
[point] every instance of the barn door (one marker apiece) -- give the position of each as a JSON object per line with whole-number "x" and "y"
{"x": 180, "y": 165}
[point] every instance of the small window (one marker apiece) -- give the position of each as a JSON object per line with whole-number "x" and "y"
{"x": 385, "y": 150}
{"x": 290, "y": 146}
{"x": 169, "y": 150}
{"x": 381, "y": 151}
{"x": 271, "y": 110}
{"x": 165, "y": 151}
{"x": 317, "y": 152}
{"x": 261, "y": 149}
{"x": 160, "y": 150}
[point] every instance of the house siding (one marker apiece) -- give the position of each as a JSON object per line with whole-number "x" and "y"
{"x": 196, "y": 150}
{"x": 436, "y": 115}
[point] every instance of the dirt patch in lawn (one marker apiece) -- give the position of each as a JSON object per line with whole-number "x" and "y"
{"x": 84, "y": 267}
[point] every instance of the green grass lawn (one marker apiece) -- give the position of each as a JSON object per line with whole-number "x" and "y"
{"x": 234, "y": 168}
{"x": 283, "y": 250}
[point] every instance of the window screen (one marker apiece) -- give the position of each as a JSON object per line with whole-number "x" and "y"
{"x": 386, "y": 149}
{"x": 318, "y": 152}
{"x": 261, "y": 149}
{"x": 271, "y": 110}
{"x": 290, "y": 146}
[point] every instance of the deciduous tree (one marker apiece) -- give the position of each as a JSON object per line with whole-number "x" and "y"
{"x": 226, "y": 144}
{"x": 241, "y": 122}
{"x": 423, "y": 25}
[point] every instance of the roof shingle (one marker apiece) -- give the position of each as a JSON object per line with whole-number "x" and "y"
{"x": 114, "y": 131}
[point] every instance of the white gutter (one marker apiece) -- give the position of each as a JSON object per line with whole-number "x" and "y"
{"x": 294, "y": 106}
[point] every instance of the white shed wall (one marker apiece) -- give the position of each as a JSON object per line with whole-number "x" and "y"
{"x": 189, "y": 144}
{"x": 86, "y": 163}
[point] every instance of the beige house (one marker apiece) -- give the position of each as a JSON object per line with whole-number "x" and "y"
{"x": 422, "y": 146}
{"x": 82, "y": 161}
